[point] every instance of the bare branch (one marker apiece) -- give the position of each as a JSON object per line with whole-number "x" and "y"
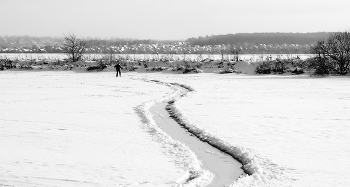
{"x": 73, "y": 47}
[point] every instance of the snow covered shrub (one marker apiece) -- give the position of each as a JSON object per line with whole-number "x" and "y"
{"x": 98, "y": 67}
{"x": 27, "y": 67}
{"x": 229, "y": 70}
{"x": 8, "y": 64}
{"x": 264, "y": 68}
{"x": 132, "y": 68}
{"x": 178, "y": 68}
{"x": 187, "y": 64}
{"x": 298, "y": 63}
{"x": 1, "y": 67}
{"x": 192, "y": 70}
{"x": 199, "y": 65}
{"x": 231, "y": 64}
{"x": 92, "y": 68}
{"x": 279, "y": 66}
{"x": 320, "y": 66}
{"x": 297, "y": 71}
{"x": 68, "y": 66}
{"x": 156, "y": 69}
{"x": 220, "y": 64}
{"x": 57, "y": 63}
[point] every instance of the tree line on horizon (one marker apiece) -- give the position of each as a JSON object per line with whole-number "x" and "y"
{"x": 28, "y": 41}
{"x": 330, "y": 56}
{"x": 245, "y": 43}
{"x": 260, "y": 38}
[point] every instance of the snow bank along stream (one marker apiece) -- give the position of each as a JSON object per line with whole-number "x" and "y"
{"x": 297, "y": 128}
{"x": 294, "y": 127}
{"x": 253, "y": 165}
{"x": 225, "y": 169}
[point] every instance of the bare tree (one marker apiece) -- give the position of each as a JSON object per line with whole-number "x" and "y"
{"x": 339, "y": 51}
{"x": 74, "y": 47}
{"x": 333, "y": 55}
{"x": 234, "y": 51}
{"x": 320, "y": 63}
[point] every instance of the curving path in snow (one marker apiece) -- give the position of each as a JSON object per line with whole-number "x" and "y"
{"x": 224, "y": 167}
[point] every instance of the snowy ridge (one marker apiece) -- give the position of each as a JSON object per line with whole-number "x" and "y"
{"x": 259, "y": 171}
{"x": 183, "y": 156}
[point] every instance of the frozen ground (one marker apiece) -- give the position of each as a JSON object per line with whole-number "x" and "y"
{"x": 298, "y": 126}
{"x": 51, "y": 125}
{"x": 69, "y": 129}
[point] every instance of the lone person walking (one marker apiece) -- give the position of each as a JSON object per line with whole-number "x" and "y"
{"x": 117, "y": 69}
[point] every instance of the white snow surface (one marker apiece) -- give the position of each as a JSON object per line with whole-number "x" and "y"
{"x": 292, "y": 129}
{"x": 259, "y": 171}
{"x": 184, "y": 157}
{"x": 286, "y": 130}
{"x": 71, "y": 129}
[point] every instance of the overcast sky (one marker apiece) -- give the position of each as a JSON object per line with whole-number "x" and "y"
{"x": 170, "y": 19}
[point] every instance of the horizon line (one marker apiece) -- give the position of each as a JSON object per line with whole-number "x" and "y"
{"x": 126, "y": 38}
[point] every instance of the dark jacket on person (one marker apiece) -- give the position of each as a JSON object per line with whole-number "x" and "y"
{"x": 118, "y": 67}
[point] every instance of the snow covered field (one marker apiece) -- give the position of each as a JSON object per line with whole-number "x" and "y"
{"x": 302, "y": 124}
{"x": 68, "y": 129}
{"x": 71, "y": 129}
